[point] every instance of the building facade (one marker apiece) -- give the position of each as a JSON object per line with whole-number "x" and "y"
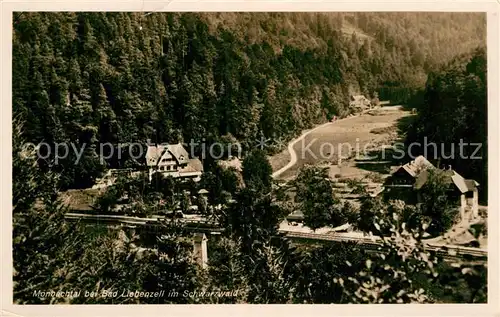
{"x": 407, "y": 181}
{"x": 172, "y": 160}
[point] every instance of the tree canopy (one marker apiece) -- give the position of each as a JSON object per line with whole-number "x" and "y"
{"x": 119, "y": 77}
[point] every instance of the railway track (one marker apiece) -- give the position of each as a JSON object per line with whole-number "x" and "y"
{"x": 445, "y": 251}
{"x": 200, "y": 224}
{"x": 154, "y": 222}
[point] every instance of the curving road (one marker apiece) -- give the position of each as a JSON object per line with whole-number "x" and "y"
{"x": 293, "y": 154}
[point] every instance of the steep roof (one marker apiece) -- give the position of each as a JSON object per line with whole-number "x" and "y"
{"x": 459, "y": 182}
{"x": 471, "y": 184}
{"x": 462, "y": 184}
{"x": 194, "y": 165}
{"x": 156, "y": 153}
{"x": 359, "y": 101}
{"x": 418, "y": 165}
{"x": 179, "y": 152}
{"x": 153, "y": 154}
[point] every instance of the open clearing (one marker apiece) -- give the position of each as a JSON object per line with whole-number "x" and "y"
{"x": 345, "y": 138}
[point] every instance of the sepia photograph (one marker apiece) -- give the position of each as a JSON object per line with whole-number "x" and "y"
{"x": 249, "y": 157}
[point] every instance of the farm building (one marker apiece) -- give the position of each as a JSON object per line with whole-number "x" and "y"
{"x": 406, "y": 175}
{"x": 359, "y": 102}
{"x": 407, "y": 180}
{"x": 463, "y": 191}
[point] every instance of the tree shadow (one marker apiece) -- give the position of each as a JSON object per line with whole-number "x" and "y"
{"x": 382, "y": 168}
{"x": 381, "y": 160}
{"x": 404, "y": 124}
{"x": 416, "y": 100}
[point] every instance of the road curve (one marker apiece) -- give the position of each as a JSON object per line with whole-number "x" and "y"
{"x": 293, "y": 155}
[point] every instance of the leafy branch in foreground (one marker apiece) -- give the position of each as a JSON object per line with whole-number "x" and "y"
{"x": 392, "y": 275}
{"x": 316, "y": 199}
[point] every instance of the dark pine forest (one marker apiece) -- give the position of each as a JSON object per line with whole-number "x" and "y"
{"x": 167, "y": 77}
{"x": 121, "y": 78}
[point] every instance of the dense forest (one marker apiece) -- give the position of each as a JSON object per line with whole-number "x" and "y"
{"x": 87, "y": 78}
{"x": 249, "y": 258}
{"x": 454, "y": 111}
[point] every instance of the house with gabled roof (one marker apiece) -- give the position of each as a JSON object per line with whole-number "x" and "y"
{"x": 172, "y": 160}
{"x": 408, "y": 179}
{"x": 359, "y": 102}
{"x": 405, "y": 175}
{"x": 466, "y": 190}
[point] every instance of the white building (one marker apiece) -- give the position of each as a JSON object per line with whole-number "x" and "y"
{"x": 172, "y": 160}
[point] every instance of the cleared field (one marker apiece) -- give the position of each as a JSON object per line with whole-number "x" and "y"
{"x": 347, "y": 138}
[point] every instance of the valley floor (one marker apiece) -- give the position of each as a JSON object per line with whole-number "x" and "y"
{"x": 346, "y": 138}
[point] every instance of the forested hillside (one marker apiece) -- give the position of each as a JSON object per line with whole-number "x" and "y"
{"x": 129, "y": 77}
{"x": 249, "y": 258}
{"x": 454, "y": 117}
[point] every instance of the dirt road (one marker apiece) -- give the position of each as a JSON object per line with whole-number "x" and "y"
{"x": 342, "y": 138}
{"x": 292, "y": 152}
